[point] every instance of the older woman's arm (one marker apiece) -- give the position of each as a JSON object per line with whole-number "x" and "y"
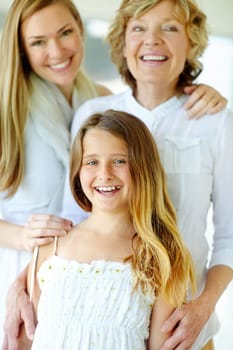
{"x": 19, "y": 312}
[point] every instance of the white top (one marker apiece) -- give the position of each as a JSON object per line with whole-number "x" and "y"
{"x": 91, "y": 307}
{"x": 198, "y": 159}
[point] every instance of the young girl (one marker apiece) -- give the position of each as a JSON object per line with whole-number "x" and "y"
{"x": 115, "y": 278}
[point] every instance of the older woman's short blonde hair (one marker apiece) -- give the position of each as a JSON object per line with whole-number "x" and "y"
{"x": 186, "y": 10}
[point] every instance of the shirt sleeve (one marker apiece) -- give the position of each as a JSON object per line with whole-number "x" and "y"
{"x": 222, "y": 195}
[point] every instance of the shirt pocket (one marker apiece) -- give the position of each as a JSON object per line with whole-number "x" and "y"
{"x": 182, "y": 155}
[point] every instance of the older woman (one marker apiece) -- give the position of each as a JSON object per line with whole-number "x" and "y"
{"x": 156, "y": 46}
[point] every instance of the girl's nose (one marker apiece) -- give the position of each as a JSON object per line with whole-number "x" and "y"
{"x": 105, "y": 173}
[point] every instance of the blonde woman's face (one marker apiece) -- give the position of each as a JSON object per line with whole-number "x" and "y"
{"x": 53, "y": 45}
{"x": 156, "y": 47}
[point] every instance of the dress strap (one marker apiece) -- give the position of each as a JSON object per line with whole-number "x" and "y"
{"x": 34, "y": 262}
{"x": 32, "y": 281}
{"x": 55, "y": 245}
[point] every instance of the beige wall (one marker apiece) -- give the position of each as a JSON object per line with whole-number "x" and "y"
{"x": 219, "y": 14}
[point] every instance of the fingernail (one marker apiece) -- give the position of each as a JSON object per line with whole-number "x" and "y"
{"x": 31, "y": 336}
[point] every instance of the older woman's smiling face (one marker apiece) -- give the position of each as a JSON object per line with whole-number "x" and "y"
{"x": 156, "y": 47}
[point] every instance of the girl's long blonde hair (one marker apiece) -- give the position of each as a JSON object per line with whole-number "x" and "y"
{"x": 15, "y": 89}
{"x": 159, "y": 258}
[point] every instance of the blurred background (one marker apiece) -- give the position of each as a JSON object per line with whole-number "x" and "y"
{"x": 218, "y": 72}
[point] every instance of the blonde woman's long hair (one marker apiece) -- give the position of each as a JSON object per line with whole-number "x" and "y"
{"x": 187, "y": 11}
{"x": 159, "y": 258}
{"x": 15, "y": 89}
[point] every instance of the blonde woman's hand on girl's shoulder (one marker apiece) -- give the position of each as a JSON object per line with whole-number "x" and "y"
{"x": 41, "y": 229}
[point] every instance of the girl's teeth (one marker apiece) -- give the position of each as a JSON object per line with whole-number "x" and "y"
{"x": 107, "y": 188}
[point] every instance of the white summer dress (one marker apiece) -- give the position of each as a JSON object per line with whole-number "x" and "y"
{"x": 90, "y": 307}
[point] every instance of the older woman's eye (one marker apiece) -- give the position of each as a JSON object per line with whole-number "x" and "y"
{"x": 137, "y": 28}
{"x": 169, "y": 28}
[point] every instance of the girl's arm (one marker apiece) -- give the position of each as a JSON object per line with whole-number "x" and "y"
{"x": 20, "y": 318}
{"x": 161, "y": 311}
{"x": 39, "y": 256}
{"x": 203, "y": 100}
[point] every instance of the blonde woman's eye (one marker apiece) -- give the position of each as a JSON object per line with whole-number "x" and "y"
{"x": 67, "y": 32}
{"x": 37, "y": 43}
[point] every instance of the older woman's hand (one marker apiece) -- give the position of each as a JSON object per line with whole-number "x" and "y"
{"x": 186, "y": 323}
{"x": 19, "y": 311}
{"x": 203, "y": 100}
{"x": 41, "y": 229}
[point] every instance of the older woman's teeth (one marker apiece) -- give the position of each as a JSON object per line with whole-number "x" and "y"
{"x": 154, "y": 58}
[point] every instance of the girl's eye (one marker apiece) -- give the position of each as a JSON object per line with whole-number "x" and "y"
{"x": 169, "y": 28}
{"x": 119, "y": 161}
{"x": 91, "y": 162}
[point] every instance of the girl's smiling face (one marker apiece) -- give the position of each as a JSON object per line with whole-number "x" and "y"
{"x": 53, "y": 45}
{"x": 105, "y": 174}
